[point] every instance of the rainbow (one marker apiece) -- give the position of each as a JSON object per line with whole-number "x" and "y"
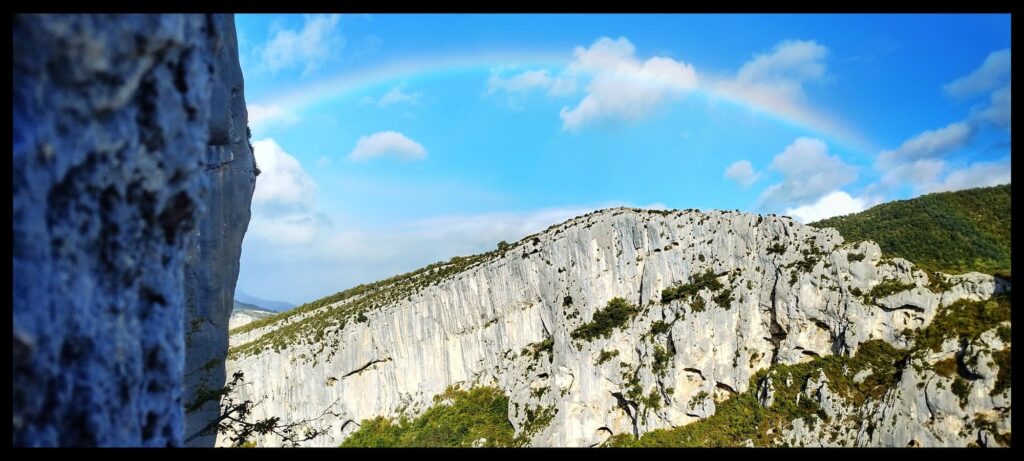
{"x": 349, "y": 82}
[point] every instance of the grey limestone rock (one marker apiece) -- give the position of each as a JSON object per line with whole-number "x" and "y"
{"x": 792, "y": 299}
{"x": 112, "y": 117}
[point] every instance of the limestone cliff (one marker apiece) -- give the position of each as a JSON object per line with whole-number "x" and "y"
{"x": 746, "y": 293}
{"x": 114, "y": 117}
{"x": 211, "y": 267}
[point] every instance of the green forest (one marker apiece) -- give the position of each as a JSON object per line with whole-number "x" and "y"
{"x": 952, "y": 232}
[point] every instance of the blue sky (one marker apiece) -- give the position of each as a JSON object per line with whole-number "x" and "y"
{"x": 388, "y": 142}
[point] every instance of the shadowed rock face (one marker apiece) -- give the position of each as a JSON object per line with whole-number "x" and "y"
{"x": 115, "y": 133}
{"x": 211, "y": 268}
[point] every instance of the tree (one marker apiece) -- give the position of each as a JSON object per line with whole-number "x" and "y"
{"x": 503, "y": 245}
{"x": 233, "y": 421}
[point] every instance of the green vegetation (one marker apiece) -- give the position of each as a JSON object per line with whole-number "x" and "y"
{"x": 536, "y": 349}
{"x": 351, "y": 306}
{"x": 724, "y": 299}
{"x": 742, "y": 417}
{"x": 954, "y": 232}
{"x": 1002, "y": 360}
{"x": 962, "y": 389}
{"x": 777, "y": 248}
{"x": 697, "y": 305}
{"x": 855, "y": 257}
{"x": 661, "y": 360}
{"x": 606, "y": 356}
{"x": 885, "y": 288}
{"x": 706, "y": 280}
{"x": 660, "y": 327}
{"x": 616, "y": 314}
{"x": 964, "y": 320}
{"x": 458, "y": 419}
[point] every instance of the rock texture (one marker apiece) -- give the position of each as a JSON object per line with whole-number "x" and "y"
{"x": 243, "y": 314}
{"x": 924, "y": 410}
{"x": 789, "y": 293}
{"x": 211, "y": 267}
{"x": 112, "y": 118}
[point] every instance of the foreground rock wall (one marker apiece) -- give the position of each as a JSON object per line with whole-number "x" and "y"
{"x": 211, "y": 268}
{"x": 112, "y": 121}
{"x": 796, "y": 293}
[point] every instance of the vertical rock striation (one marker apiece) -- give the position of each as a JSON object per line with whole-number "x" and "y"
{"x": 750, "y": 292}
{"x": 112, "y": 120}
{"x": 211, "y": 267}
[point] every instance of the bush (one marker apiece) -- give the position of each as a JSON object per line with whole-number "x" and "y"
{"x": 615, "y": 314}
{"x": 458, "y": 419}
{"x": 606, "y": 356}
{"x": 706, "y": 280}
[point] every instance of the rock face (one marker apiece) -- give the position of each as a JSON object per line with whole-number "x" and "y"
{"x": 112, "y": 117}
{"x": 924, "y": 410}
{"x": 244, "y": 314}
{"x": 211, "y": 268}
{"x": 787, "y": 293}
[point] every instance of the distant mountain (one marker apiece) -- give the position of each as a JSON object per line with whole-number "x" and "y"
{"x": 240, "y": 306}
{"x": 953, "y": 232}
{"x": 245, "y": 313}
{"x": 276, "y": 306}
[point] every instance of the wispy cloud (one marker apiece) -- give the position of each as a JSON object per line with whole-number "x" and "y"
{"x": 991, "y": 74}
{"x": 928, "y": 144}
{"x": 261, "y": 117}
{"x": 516, "y": 87}
{"x": 920, "y": 161}
{"x": 742, "y": 171}
{"x": 387, "y": 143}
{"x": 307, "y": 47}
{"x": 977, "y": 174}
{"x": 395, "y": 95}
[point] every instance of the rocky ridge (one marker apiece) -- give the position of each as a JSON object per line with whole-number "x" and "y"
{"x": 759, "y": 291}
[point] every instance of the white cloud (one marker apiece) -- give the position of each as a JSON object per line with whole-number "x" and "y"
{"x": 260, "y": 116}
{"x": 789, "y": 64}
{"x": 303, "y": 260}
{"x": 742, "y": 172}
{"x": 998, "y": 110}
{"x": 394, "y": 96}
{"x": 991, "y": 74}
{"x": 530, "y": 80}
{"x": 808, "y": 174}
{"x": 282, "y": 180}
{"x": 918, "y": 162}
{"x": 287, "y": 229}
{"x": 307, "y": 47}
{"x": 918, "y": 174}
{"x": 284, "y": 199}
{"x": 928, "y": 144}
{"x": 978, "y": 174}
{"x": 324, "y": 162}
{"x": 387, "y": 143}
{"x": 775, "y": 80}
{"x": 622, "y": 86}
{"x": 835, "y": 203}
